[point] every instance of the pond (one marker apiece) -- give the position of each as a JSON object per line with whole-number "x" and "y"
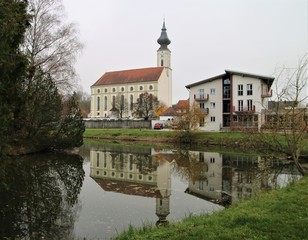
{"x": 110, "y": 186}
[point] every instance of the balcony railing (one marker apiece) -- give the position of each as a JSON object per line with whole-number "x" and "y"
{"x": 267, "y": 94}
{"x": 199, "y": 97}
{"x": 205, "y": 110}
{"x": 244, "y": 109}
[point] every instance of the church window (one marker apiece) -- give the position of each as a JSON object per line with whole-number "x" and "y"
{"x": 122, "y": 89}
{"x": 113, "y": 89}
{"x": 162, "y": 62}
{"x": 106, "y": 90}
{"x": 105, "y": 103}
{"x": 98, "y": 90}
{"x": 113, "y": 101}
{"x": 151, "y": 87}
{"x": 132, "y": 88}
{"x": 140, "y": 88}
{"x": 131, "y": 102}
{"x": 98, "y": 104}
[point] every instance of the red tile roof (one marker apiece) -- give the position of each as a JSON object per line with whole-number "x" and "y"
{"x": 183, "y": 104}
{"x": 169, "y": 112}
{"x": 129, "y": 188}
{"x": 130, "y": 76}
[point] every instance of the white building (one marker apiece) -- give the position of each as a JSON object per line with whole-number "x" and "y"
{"x": 233, "y": 100}
{"x": 127, "y": 85}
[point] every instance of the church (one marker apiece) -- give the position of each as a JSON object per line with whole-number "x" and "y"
{"x": 127, "y": 85}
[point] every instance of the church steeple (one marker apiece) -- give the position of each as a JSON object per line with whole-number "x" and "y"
{"x": 163, "y": 53}
{"x": 163, "y": 40}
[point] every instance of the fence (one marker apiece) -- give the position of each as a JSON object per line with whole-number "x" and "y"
{"x": 117, "y": 124}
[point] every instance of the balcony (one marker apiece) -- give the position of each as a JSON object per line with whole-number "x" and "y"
{"x": 205, "y": 110}
{"x": 267, "y": 94}
{"x": 201, "y": 98}
{"x": 244, "y": 109}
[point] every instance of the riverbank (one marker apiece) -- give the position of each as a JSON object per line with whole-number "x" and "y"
{"x": 237, "y": 140}
{"x": 279, "y": 214}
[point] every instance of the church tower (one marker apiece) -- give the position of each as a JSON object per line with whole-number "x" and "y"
{"x": 163, "y": 53}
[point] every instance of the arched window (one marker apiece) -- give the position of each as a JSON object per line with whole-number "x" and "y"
{"x": 162, "y": 62}
{"x": 105, "y": 103}
{"x": 131, "y": 102}
{"x": 98, "y": 104}
{"x": 122, "y": 102}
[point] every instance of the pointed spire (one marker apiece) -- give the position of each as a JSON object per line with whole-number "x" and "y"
{"x": 163, "y": 40}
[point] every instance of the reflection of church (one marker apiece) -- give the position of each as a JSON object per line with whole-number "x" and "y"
{"x": 134, "y": 174}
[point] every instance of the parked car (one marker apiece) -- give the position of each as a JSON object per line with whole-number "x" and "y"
{"x": 158, "y": 126}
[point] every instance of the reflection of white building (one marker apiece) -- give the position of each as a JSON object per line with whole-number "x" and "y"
{"x": 209, "y": 184}
{"x": 134, "y": 174}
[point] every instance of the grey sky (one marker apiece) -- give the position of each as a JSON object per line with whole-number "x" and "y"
{"x": 207, "y": 37}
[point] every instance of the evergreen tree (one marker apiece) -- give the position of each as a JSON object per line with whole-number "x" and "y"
{"x": 13, "y": 24}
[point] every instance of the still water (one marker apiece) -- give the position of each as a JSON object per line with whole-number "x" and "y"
{"x": 110, "y": 186}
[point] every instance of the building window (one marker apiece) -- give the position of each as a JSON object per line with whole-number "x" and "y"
{"x": 161, "y": 62}
{"x": 201, "y": 156}
{"x": 212, "y": 91}
{"x": 97, "y": 159}
{"x": 249, "y": 105}
{"x": 140, "y": 88}
{"x": 122, "y": 89}
{"x": 201, "y": 93}
{"x": 105, "y": 103}
{"x": 113, "y": 101}
{"x": 212, "y": 119}
{"x": 240, "y": 90}
{"x": 212, "y": 160}
{"x": 212, "y": 105}
{"x": 131, "y": 102}
{"x": 201, "y": 185}
{"x": 106, "y": 90}
{"x": 98, "y": 90}
{"x": 113, "y": 89}
{"x": 122, "y": 103}
{"x": 201, "y": 105}
{"x": 249, "y": 89}
{"x": 226, "y": 91}
{"x": 240, "y": 105}
{"x": 132, "y": 88}
{"x": 105, "y": 159}
{"x": 151, "y": 87}
{"x": 201, "y": 123}
{"x": 98, "y": 104}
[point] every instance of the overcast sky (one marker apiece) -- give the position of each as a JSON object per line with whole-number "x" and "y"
{"x": 207, "y": 36}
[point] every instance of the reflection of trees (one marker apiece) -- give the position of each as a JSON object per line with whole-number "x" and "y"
{"x": 39, "y": 196}
{"x": 189, "y": 166}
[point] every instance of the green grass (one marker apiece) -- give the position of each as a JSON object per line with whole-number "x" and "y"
{"x": 280, "y": 214}
{"x": 237, "y": 140}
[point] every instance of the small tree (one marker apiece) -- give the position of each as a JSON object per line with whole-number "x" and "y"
{"x": 145, "y": 106}
{"x": 189, "y": 122}
{"x": 160, "y": 108}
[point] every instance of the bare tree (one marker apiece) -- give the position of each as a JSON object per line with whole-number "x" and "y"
{"x": 145, "y": 106}
{"x": 119, "y": 106}
{"x": 287, "y": 119}
{"x": 52, "y": 44}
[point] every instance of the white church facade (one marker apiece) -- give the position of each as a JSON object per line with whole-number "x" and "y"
{"x": 127, "y": 85}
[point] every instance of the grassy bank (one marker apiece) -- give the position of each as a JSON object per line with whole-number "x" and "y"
{"x": 237, "y": 140}
{"x": 280, "y": 214}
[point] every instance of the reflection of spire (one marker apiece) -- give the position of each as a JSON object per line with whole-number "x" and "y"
{"x": 164, "y": 186}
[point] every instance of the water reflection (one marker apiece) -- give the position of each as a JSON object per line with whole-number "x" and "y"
{"x": 139, "y": 174}
{"x": 39, "y": 196}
